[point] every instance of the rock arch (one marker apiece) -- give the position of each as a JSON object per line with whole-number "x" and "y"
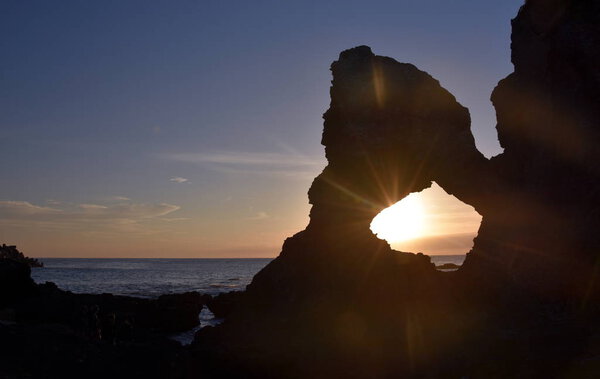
{"x": 390, "y": 130}
{"x": 345, "y": 299}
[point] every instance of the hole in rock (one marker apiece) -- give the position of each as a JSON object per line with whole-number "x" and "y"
{"x": 431, "y": 222}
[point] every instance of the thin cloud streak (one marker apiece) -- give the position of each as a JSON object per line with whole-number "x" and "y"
{"x": 18, "y": 209}
{"x": 178, "y": 179}
{"x": 287, "y": 173}
{"x": 119, "y": 198}
{"x": 265, "y": 160}
{"x": 25, "y": 214}
{"x": 289, "y": 165}
{"x": 259, "y": 216}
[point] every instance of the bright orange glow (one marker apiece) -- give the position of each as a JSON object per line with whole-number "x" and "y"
{"x": 430, "y": 221}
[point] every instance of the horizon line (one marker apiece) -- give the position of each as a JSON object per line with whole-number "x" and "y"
{"x": 432, "y": 255}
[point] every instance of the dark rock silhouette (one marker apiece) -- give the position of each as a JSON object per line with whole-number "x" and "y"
{"x": 448, "y": 266}
{"x": 48, "y": 332}
{"x": 168, "y": 314}
{"x": 15, "y": 281}
{"x": 540, "y": 230}
{"x": 223, "y": 304}
{"x": 11, "y": 252}
{"x": 339, "y": 302}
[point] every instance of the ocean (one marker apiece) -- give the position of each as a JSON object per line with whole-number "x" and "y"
{"x": 153, "y": 277}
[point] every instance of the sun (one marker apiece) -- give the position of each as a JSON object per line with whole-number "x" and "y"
{"x": 403, "y": 221}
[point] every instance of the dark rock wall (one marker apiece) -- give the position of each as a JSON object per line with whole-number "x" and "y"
{"x": 542, "y": 230}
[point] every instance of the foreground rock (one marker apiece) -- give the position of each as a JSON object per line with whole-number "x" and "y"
{"x": 223, "y": 304}
{"x": 48, "y": 332}
{"x": 15, "y": 282}
{"x": 447, "y": 266}
{"x": 11, "y": 253}
{"x": 338, "y": 302}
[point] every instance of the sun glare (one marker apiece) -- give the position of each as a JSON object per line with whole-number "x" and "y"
{"x": 402, "y": 221}
{"x": 432, "y": 222}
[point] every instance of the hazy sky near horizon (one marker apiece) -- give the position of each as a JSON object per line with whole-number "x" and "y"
{"x": 192, "y": 128}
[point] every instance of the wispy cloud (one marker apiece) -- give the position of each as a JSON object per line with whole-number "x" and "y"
{"x": 252, "y": 159}
{"x": 17, "y": 209}
{"x": 175, "y": 219}
{"x": 26, "y": 214}
{"x": 92, "y": 207}
{"x": 259, "y": 216}
{"x": 289, "y": 163}
{"x": 178, "y": 179}
{"x": 119, "y": 198}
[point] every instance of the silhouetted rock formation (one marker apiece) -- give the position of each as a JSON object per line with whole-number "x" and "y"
{"x": 47, "y": 332}
{"x": 542, "y": 228}
{"x": 339, "y": 302}
{"x": 15, "y": 281}
{"x": 337, "y": 293}
{"x": 448, "y": 266}
{"x": 11, "y": 252}
{"x": 223, "y": 304}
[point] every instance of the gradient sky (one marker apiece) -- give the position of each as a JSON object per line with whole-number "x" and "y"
{"x": 192, "y": 128}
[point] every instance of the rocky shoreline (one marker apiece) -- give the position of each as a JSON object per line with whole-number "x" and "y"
{"x": 11, "y": 252}
{"x": 49, "y": 332}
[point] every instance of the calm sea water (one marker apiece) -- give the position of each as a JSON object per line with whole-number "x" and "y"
{"x": 153, "y": 277}
{"x": 148, "y": 277}
{"x": 441, "y": 259}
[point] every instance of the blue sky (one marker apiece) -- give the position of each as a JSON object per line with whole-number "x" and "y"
{"x": 130, "y": 127}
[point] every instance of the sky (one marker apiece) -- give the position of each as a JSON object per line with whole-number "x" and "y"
{"x": 192, "y": 128}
